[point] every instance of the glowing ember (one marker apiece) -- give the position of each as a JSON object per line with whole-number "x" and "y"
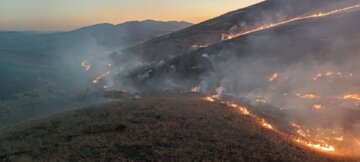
{"x": 86, "y": 65}
{"x": 333, "y": 74}
{"x": 308, "y": 96}
{"x": 266, "y": 124}
{"x": 96, "y": 81}
{"x": 317, "y": 106}
{"x": 268, "y": 26}
{"x": 242, "y": 109}
{"x": 273, "y": 77}
{"x": 210, "y": 99}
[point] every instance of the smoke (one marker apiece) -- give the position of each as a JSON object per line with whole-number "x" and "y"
{"x": 303, "y": 76}
{"x": 316, "y": 68}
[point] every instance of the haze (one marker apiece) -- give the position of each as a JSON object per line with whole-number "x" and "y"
{"x": 45, "y": 15}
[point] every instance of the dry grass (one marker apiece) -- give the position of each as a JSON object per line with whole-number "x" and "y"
{"x": 172, "y": 127}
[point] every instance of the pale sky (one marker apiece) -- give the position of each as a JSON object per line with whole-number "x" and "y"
{"x": 58, "y": 15}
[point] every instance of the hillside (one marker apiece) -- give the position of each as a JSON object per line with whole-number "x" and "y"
{"x": 166, "y": 127}
{"x": 39, "y": 69}
{"x": 107, "y": 36}
{"x": 217, "y": 29}
{"x": 304, "y": 72}
{"x": 300, "y": 42}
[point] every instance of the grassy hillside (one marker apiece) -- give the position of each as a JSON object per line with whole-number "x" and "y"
{"x": 169, "y": 127}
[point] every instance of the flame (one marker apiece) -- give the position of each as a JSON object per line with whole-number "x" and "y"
{"x": 317, "y": 106}
{"x": 209, "y": 99}
{"x": 317, "y": 146}
{"x": 333, "y": 74}
{"x": 243, "y": 110}
{"x": 268, "y": 26}
{"x": 308, "y": 96}
{"x": 304, "y": 138}
{"x": 273, "y": 77}
{"x": 308, "y": 139}
{"x": 355, "y": 97}
{"x": 86, "y": 65}
{"x": 96, "y": 81}
{"x": 265, "y": 124}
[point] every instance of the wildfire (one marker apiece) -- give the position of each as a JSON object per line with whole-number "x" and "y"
{"x": 308, "y": 96}
{"x": 273, "y": 77}
{"x": 242, "y": 109}
{"x": 317, "y": 146}
{"x": 333, "y": 74}
{"x": 209, "y": 99}
{"x": 268, "y": 26}
{"x": 355, "y": 97}
{"x": 96, "y": 81}
{"x": 307, "y": 138}
{"x": 265, "y": 124}
{"x": 303, "y": 137}
{"x": 317, "y": 106}
{"x": 86, "y": 65}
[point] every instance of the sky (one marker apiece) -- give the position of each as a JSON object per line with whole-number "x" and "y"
{"x": 64, "y": 15}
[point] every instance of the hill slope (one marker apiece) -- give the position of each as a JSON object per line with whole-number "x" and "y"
{"x": 107, "y": 35}
{"x": 213, "y": 31}
{"x": 306, "y": 41}
{"x": 166, "y": 127}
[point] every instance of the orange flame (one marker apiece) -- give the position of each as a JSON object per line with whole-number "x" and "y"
{"x": 95, "y": 81}
{"x": 264, "y": 27}
{"x": 209, "y": 99}
{"x": 355, "y": 97}
{"x": 317, "y": 106}
{"x": 273, "y": 77}
{"x": 333, "y": 74}
{"x": 304, "y": 136}
{"x": 308, "y": 96}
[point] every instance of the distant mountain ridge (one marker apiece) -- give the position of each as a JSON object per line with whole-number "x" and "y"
{"x": 110, "y": 36}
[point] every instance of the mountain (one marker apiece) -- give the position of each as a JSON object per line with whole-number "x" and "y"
{"x": 38, "y": 55}
{"x": 214, "y": 30}
{"x": 281, "y": 47}
{"x": 274, "y": 71}
{"x": 41, "y": 72}
{"x": 104, "y": 35}
{"x": 168, "y": 127}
